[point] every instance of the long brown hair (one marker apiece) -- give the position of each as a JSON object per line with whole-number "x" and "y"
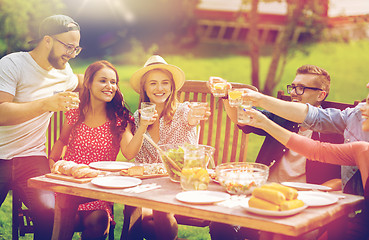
{"x": 170, "y": 105}
{"x": 116, "y": 108}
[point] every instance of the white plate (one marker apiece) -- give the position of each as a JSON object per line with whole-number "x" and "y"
{"x": 111, "y": 165}
{"x": 245, "y": 204}
{"x": 317, "y": 199}
{"x": 116, "y": 182}
{"x": 309, "y": 186}
{"x": 202, "y": 197}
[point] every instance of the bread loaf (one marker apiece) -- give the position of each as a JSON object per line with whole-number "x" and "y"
{"x": 55, "y": 167}
{"x": 288, "y": 192}
{"x": 76, "y": 170}
{"x": 270, "y": 195}
{"x": 262, "y": 204}
{"x": 92, "y": 173}
{"x": 81, "y": 172}
{"x": 78, "y": 166}
{"x": 66, "y": 168}
{"x": 136, "y": 171}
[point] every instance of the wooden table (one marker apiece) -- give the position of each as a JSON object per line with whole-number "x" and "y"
{"x": 163, "y": 199}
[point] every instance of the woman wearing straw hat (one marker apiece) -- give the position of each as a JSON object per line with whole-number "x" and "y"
{"x": 158, "y": 82}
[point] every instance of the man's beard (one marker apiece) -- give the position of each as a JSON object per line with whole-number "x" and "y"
{"x": 53, "y": 60}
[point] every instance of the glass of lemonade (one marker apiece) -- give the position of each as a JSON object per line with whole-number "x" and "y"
{"x": 235, "y": 97}
{"x": 218, "y": 86}
{"x": 194, "y": 175}
{"x": 242, "y": 116}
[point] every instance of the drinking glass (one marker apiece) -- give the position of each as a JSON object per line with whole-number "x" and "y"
{"x": 147, "y": 110}
{"x": 74, "y": 104}
{"x": 242, "y": 116}
{"x": 73, "y": 95}
{"x": 219, "y": 86}
{"x": 235, "y": 97}
{"x": 198, "y": 109}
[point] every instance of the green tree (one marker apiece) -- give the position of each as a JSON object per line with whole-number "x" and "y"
{"x": 19, "y": 20}
{"x": 302, "y": 16}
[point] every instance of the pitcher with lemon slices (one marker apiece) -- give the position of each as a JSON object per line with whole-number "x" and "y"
{"x": 194, "y": 175}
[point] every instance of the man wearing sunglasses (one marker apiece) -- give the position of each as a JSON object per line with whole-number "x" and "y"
{"x": 28, "y": 81}
{"x": 311, "y": 85}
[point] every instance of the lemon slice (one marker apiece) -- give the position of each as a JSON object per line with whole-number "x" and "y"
{"x": 219, "y": 86}
{"x": 245, "y": 107}
{"x": 235, "y": 95}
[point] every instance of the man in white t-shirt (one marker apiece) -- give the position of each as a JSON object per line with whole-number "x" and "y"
{"x": 33, "y": 85}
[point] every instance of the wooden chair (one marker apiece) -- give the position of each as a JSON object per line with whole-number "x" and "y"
{"x": 325, "y": 104}
{"x": 219, "y": 131}
{"x": 21, "y": 219}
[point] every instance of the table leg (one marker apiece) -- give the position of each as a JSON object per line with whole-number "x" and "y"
{"x": 66, "y": 207}
{"x": 132, "y": 223}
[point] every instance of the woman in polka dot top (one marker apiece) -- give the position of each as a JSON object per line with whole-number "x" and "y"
{"x": 95, "y": 131}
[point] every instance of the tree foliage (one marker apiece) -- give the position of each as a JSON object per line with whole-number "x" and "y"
{"x": 302, "y": 16}
{"x": 19, "y": 21}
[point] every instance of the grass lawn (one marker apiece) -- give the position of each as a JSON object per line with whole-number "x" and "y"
{"x": 347, "y": 64}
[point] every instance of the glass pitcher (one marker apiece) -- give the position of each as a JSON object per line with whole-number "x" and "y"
{"x": 194, "y": 175}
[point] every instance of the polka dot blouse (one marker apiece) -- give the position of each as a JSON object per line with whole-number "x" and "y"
{"x": 86, "y": 145}
{"x": 175, "y": 132}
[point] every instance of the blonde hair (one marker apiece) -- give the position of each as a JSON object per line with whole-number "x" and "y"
{"x": 323, "y": 75}
{"x": 170, "y": 105}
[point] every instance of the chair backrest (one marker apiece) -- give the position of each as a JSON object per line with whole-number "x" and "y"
{"x": 219, "y": 131}
{"x": 54, "y": 129}
{"x": 325, "y": 104}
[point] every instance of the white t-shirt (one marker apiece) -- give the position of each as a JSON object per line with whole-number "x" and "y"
{"x": 22, "y": 77}
{"x": 292, "y": 166}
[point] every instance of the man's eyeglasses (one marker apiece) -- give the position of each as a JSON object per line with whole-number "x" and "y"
{"x": 299, "y": 90}
{"x": 70, "y": 49}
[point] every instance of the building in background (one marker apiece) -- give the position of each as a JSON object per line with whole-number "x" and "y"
{"x": 227, "y": 20}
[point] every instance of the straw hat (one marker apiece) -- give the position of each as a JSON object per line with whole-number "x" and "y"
{"x": 157, "y": 62}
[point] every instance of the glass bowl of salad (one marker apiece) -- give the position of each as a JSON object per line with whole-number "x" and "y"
{"x": 173, "y": 165}
{"x": 176, "y": 153}
{"x": 241, "y": 177}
